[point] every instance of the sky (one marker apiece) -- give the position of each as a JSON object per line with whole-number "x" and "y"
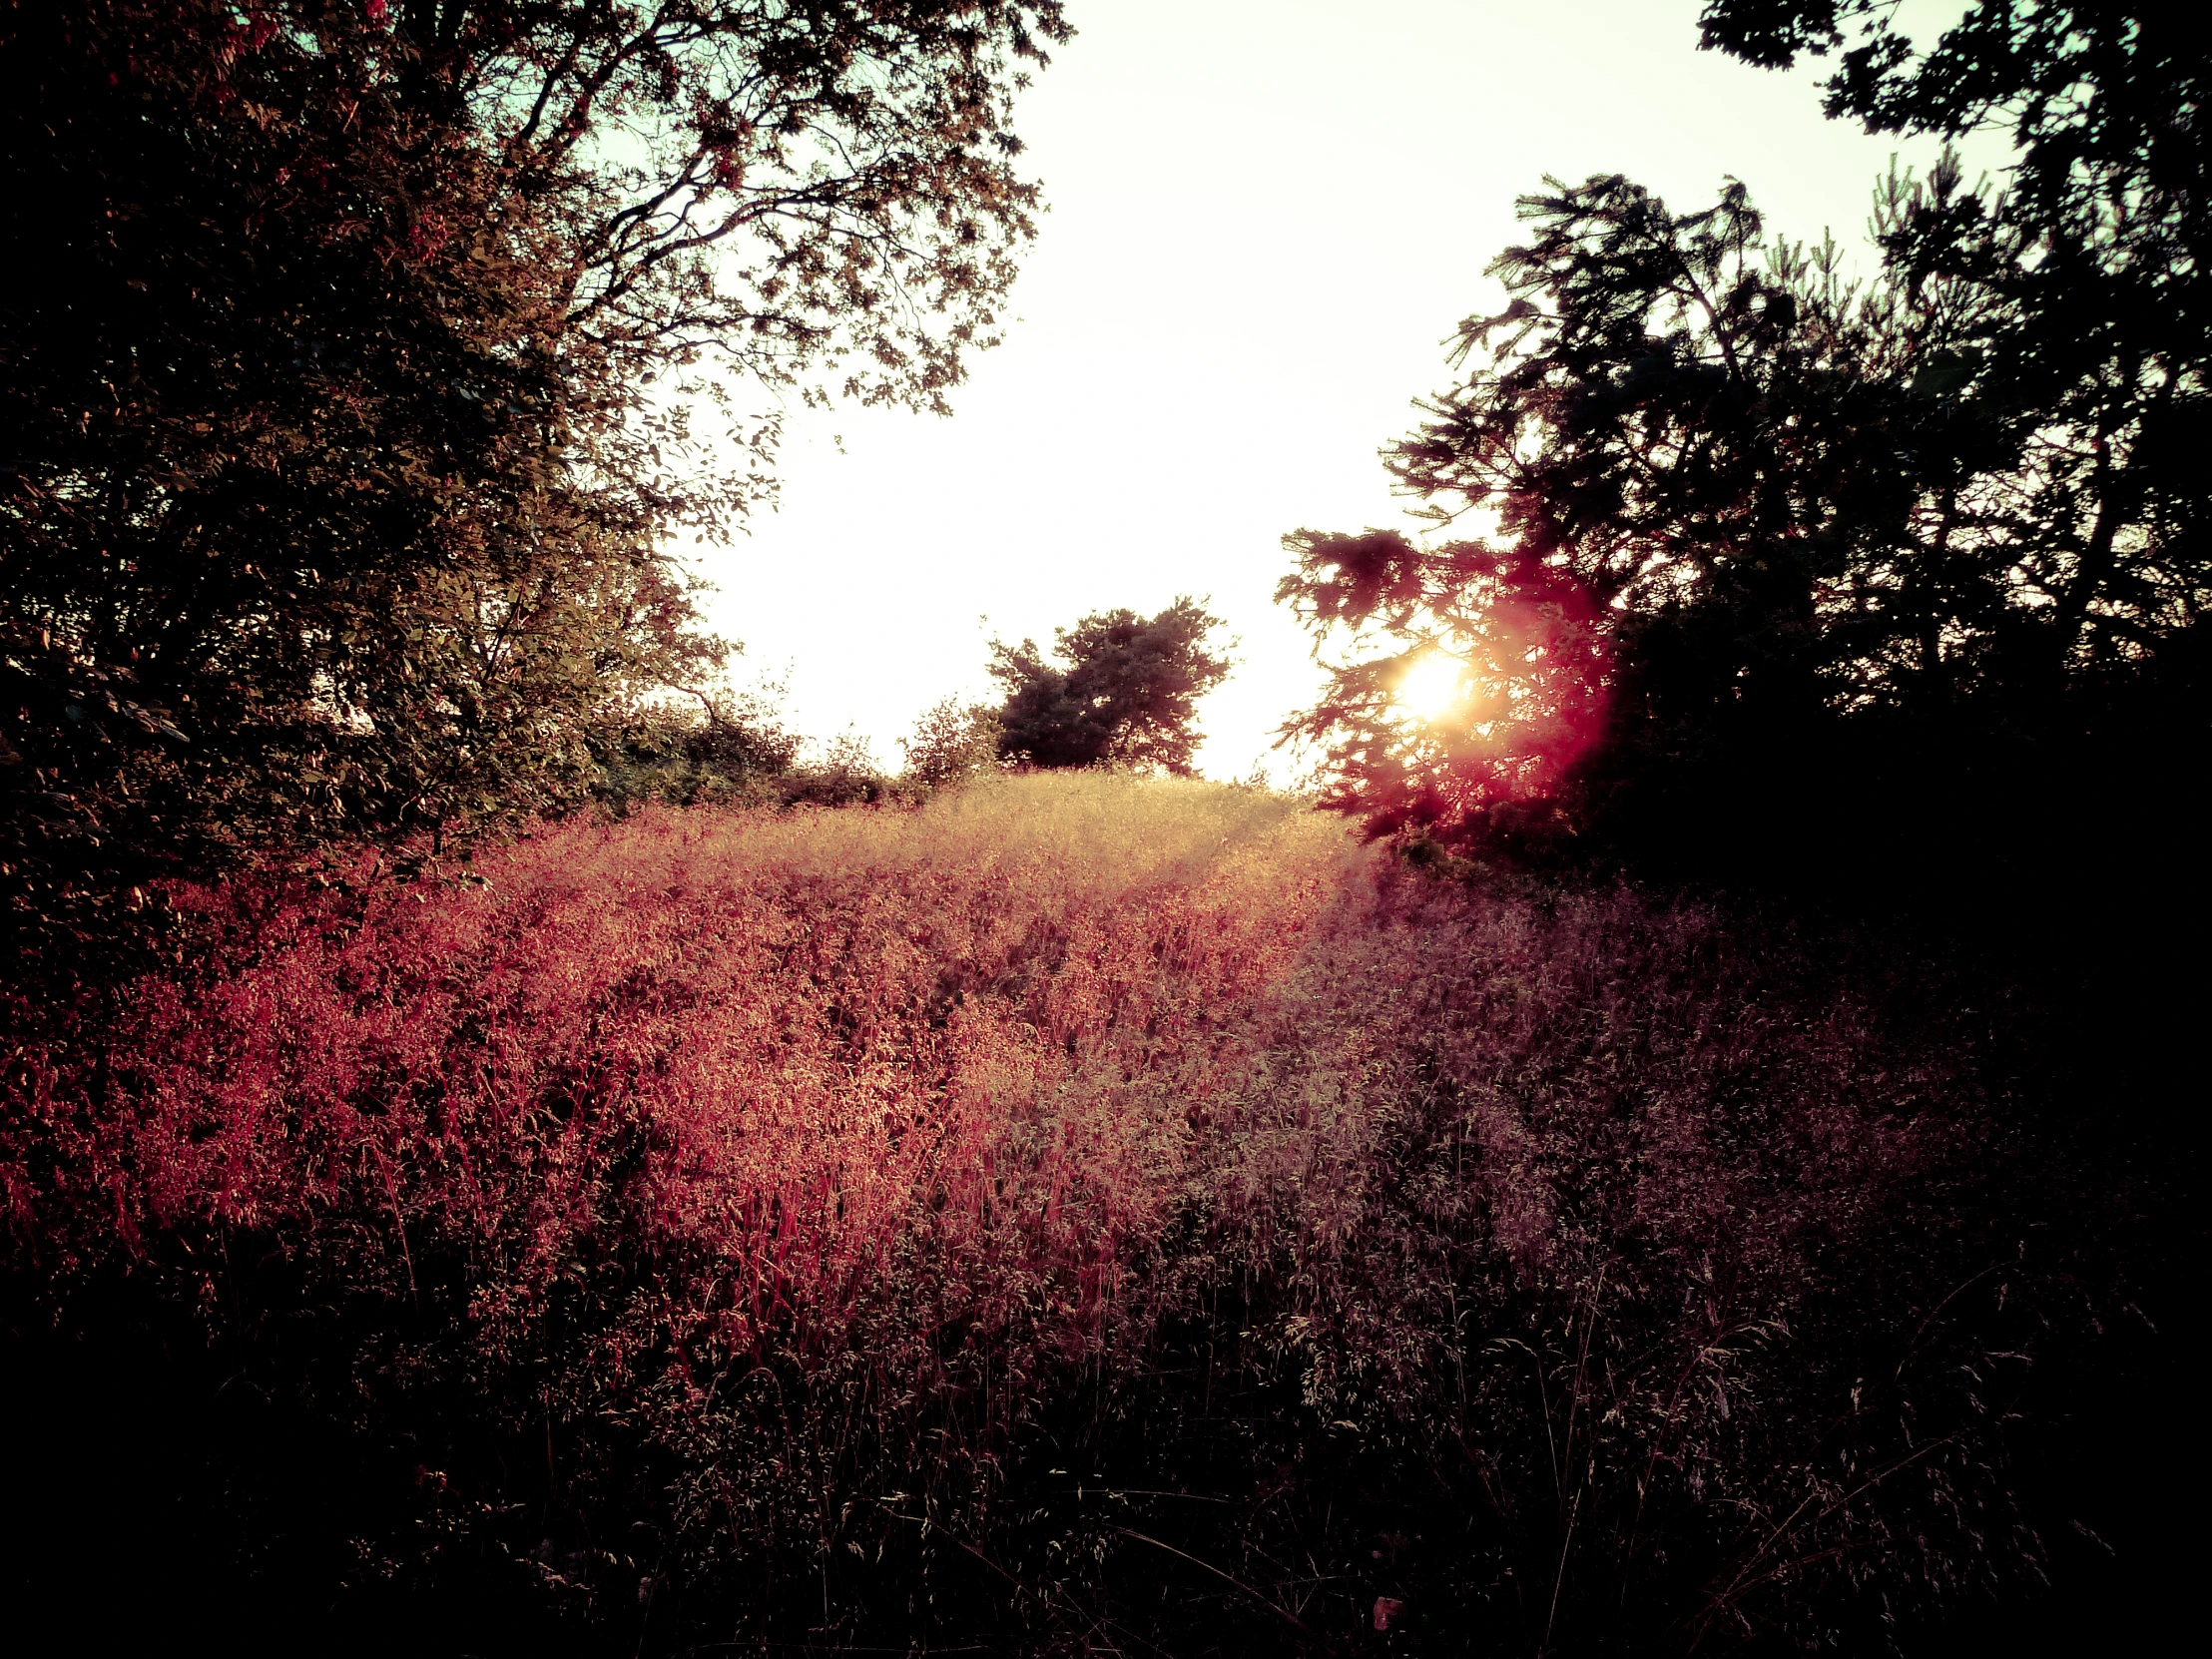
{"x": 1266, "y": 216}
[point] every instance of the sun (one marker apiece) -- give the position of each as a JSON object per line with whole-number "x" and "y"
{"x": 1433, "y": 686}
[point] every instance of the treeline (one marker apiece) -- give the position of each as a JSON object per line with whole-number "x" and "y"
{"x": 1800, "y": 577}
{"x": 373, "y": 355}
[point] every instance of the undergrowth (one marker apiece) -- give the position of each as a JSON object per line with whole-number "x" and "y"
{"x": 1080, "y": 1214}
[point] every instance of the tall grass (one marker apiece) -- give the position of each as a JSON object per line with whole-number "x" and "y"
{"x": 1081, "y": 1213}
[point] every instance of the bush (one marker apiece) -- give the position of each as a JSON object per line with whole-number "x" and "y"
{"x": 846, "y": 774}
{"x": 742, "y": 754}
{"x": 728, "y": 754}
{"x": 953, "y": 743}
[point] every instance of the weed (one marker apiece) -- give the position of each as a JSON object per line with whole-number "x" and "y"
{"x": 1078, "y": 1213}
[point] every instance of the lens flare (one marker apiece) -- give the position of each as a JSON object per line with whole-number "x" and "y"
{"x": 1433, "y": 686}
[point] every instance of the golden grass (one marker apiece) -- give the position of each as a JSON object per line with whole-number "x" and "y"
{"x": 832, "y": 1163}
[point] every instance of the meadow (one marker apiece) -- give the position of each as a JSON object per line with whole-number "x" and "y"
{"x": 1078, "y": 1214}
{"x": 1680, "y": 1145}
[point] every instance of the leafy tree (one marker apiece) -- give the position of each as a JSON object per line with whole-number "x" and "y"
{"x": 2094, "y": 332}
{"x": 1853, "y": 570}
{"x": 1118, "y": 688}
{"x": 1690, "y": 448}
{"x": 348, "y": 401}
{"x": 1525, "y": 656}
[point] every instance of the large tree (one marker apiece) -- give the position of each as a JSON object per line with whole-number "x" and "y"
{"x": 348, "y": 395}
{"x": 1117, "y": 689}
{"x": 1828, "y": 560}
{"x": 2089, "y": 269}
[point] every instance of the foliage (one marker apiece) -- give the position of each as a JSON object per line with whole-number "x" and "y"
{"x": 846, "y": 775}
{"x": 1863, "y": 560}
{"x": 1527, "y": 649}
{"x": 348, "y": 399}
{"x": 1080, "y": 1209}
{"x": 1125, "y": 690}
{"x": 2090, "y": 341}
{"x": 728, "y": 752}
{"x": 2100, "y": 99}
{"x": 953, "y": 743}
{"x": 738, "y": 752}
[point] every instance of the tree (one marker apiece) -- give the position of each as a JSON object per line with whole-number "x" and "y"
{"x": 349, "y": 401}
{"x": 2096, "y": 331}
{"x": 1125, "y": 690}
{"x": 1794, "y": 556}
{"x": 1854, "y": 572}
{"x": 1514, "y": 656}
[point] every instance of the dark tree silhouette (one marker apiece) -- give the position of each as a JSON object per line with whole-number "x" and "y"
{"x": 2090, "y": 267}
{"x": 1875, "y": 569}
{"x": 345, "y": 401}
{"x": 1119, "y": 688}
{"x": 1527, "y": 652}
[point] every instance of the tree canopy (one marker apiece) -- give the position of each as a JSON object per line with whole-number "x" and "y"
{"x": 1769, "y": 552}
{"x": 350, "y": 393}
{"x": 1118, "y": 688}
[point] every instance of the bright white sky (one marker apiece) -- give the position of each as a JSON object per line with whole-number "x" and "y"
{"x": 1267, "y": 215}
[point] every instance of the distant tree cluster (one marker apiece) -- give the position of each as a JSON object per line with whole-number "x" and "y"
{"x": 1781, "y": 558}
{"x": 1116, "y": 689}
{"x": 347, "y": 375}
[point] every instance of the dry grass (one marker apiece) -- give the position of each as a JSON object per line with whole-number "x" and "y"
{"x": 1080, "y": 1213}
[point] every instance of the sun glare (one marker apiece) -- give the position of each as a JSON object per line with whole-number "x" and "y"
{"x": 1435, "y": 686}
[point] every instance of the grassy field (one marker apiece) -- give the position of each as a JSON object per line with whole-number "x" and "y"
{"x": 1081, "y": 1214}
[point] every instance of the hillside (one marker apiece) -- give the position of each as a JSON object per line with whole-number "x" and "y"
{"x": 1083, "y": 1213}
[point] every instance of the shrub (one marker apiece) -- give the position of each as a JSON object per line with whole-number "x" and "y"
{"x": 953, "y": 743}
{"x": 846, "y": 775}
{"x": 730, "y": 754}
